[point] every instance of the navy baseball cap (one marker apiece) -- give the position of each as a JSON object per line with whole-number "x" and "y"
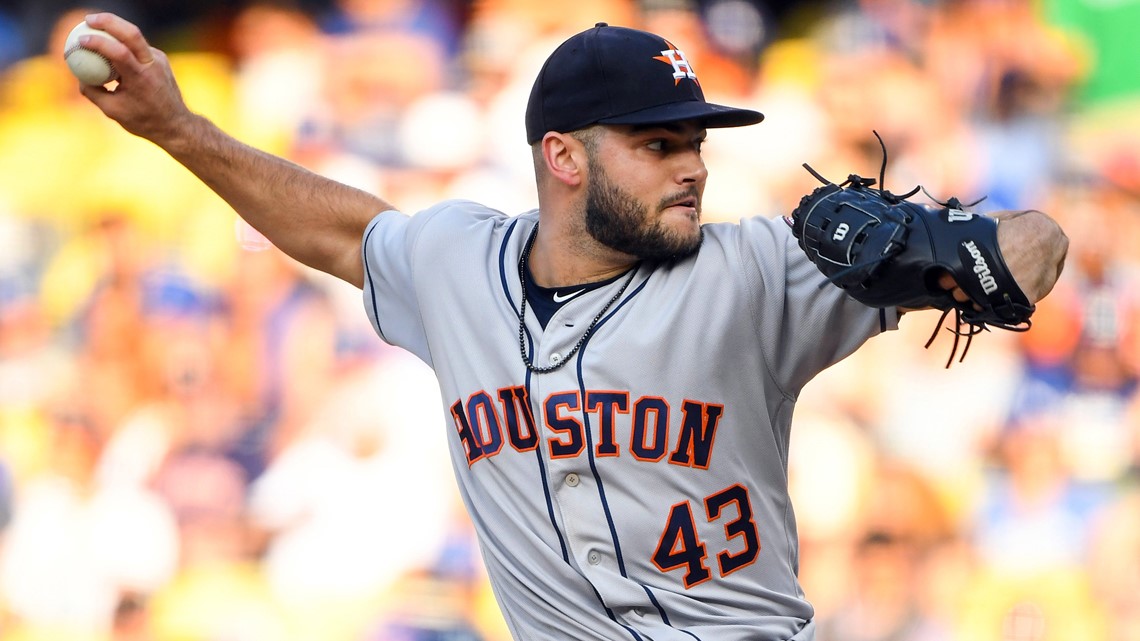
{"x": 621, "y": 76}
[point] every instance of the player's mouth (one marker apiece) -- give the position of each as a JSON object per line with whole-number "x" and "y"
{"x": 690, "y": 203}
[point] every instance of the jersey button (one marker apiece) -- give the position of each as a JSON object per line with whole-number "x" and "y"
{"x": 594, "y": 558}
{"x": 572, "y": 479}
{"x": 556, "y": 358}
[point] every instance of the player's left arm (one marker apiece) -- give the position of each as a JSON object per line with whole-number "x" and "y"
{"x": 1034, "y": 248}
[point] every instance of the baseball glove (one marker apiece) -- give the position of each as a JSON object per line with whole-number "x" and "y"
{"x": 886, "y": 251}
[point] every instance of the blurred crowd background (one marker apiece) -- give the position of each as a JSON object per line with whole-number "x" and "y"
{"x": 202, "y": 441}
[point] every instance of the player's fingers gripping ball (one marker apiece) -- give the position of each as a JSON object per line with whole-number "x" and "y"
{"x": 886, "y": 251}
{"x": 88, "y": 66}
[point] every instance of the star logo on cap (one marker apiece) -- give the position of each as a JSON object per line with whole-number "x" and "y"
{"x": 681, "y": 66}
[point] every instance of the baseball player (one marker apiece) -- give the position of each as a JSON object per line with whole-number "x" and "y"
{"x": 619, "y": 379}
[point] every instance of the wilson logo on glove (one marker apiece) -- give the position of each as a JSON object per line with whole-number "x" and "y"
{"x": 958, "y": 216}
{"x": 981, "y": 268}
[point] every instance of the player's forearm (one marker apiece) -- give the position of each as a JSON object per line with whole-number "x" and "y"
{"x": 317, "y": 221}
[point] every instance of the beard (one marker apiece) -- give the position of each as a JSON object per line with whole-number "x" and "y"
{"x": 617, "y": 220}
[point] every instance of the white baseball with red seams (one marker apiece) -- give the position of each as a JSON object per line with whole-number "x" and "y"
{"x": 89, "y": 67}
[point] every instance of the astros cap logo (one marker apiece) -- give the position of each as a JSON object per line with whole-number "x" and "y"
{"x": 681, "y": 66}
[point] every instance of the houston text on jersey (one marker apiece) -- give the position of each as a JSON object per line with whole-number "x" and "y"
{"x": 486, "y": 422}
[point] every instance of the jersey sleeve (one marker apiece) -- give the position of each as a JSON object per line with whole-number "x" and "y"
{"x": 389, "y": 285}
{"x": 418, "y": 268}
{"x": 805, "y": 323}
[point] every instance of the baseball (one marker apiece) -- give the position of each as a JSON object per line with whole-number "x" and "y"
{"x": 89, "y": 67}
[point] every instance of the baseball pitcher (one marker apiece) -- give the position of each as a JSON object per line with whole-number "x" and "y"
{"x": 619, "y": 377}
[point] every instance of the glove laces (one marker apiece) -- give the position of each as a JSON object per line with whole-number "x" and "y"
{"x": 859, "y": 182}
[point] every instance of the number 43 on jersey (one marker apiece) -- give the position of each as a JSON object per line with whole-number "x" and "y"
{"x": 681, "y": 548}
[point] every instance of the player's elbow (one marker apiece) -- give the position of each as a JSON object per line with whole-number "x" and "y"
{"x": 1059, "y": 241}
{"x": 340, "y": 259}
{"x": 1042, "y": 238}
{"x": 348, "y": 266}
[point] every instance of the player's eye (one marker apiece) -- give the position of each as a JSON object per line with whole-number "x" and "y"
{"x": 669, "y": 146}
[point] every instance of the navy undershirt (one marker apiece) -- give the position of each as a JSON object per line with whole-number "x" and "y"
{"x": 542, "y": 299}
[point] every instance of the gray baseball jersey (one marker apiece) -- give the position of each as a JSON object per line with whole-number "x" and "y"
{"x": 640, "y": 491}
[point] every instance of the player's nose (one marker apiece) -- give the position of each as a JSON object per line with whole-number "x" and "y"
{"x": 692, "y": 169}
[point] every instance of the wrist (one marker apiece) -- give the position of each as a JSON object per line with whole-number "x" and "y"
{"x": 183, "y": 134}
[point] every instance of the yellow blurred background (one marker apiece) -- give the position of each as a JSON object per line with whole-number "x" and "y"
{"x": 201, "y": 440}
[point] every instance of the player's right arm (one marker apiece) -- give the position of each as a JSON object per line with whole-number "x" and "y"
{"x": 317, "y": 221}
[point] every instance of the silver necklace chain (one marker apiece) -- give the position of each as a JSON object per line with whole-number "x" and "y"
{"x": 522, "y": 313}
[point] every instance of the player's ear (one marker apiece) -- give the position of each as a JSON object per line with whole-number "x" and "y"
{"x": 564, "y": 157}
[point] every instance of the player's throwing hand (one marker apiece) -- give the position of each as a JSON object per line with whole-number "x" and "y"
{"x": 147, "y": 101}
